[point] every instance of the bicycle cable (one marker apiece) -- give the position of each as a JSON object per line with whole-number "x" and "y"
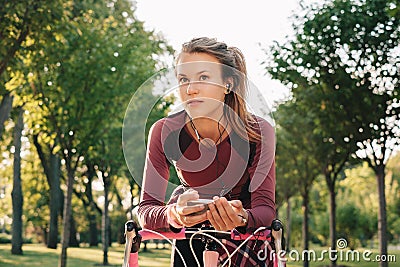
{"x": 204, "y": 232}
{"x": 169, "y": 241}
{"x": 246, "y": 240}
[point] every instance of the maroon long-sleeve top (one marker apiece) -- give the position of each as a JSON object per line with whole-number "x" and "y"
{"x": 235, "y": 168}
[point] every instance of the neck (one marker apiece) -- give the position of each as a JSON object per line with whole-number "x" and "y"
{"x": 202, "y": 128}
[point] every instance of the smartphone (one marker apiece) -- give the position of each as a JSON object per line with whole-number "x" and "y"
{"x": 199, "y": 202}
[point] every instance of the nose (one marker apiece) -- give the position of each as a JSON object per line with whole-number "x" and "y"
{"x": 192, "y": 89}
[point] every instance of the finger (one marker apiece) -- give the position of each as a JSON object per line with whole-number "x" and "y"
{"x": 226, "y": 213}
{"x": 235, "y": 214}
{"x": 185, "y": 197}
{"x": 194, "y": 219}
{"x": 213, "y": 222}
{"x": 237, "y": 207}
{"x": 211, "y": 219}
{"x": 236, "y": 204}
{"x": 187, "y": 210}
{"x": 188, "y": 195}
{"x": 214, "y": 217}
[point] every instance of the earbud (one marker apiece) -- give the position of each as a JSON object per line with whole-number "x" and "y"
{"x": 228, "y": 88}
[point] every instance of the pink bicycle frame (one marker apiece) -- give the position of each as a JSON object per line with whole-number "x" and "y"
{"x": 210, "y": 258}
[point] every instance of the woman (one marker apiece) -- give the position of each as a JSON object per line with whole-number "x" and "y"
{"x": 221, "y": 152}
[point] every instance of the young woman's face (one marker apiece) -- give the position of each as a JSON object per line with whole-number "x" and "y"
{"x": 201, "y": 86}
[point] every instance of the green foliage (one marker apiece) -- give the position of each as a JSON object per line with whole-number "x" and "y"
{"x": 347, "y": 220}
{"x": 342, "y": 51}
{"x": 75, "y": 71}
{"x": 5, "y": 238}
{"x": 23, "y": 25}
{"x": 357, "y": 195}
{"x": 35, "y": 191}
{"x": 342, "y": 65}
{"x": 295, "y": 147}
{"x": 393, "y": 187}
{"x": 321, "y": 229}
{"x": 296, "y": 232}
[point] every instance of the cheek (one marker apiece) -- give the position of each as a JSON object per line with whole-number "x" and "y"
{"x": 216, "y": 92}
{"x": 220, "y": 95}
{"x": 181, "y": 93}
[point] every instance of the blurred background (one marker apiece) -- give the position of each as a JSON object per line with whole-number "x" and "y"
{"x": 68, "y": 69}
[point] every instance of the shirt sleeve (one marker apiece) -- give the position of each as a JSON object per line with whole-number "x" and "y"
{"x": 152, "y": 211}
{"x": 262, "y": 179}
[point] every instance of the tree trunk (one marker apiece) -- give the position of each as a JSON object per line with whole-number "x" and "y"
{"x": 45, "y": 234}
{"x": 17, "y": 199}
{"x": 91, "y": 209}
{"x": 382, "y": 223}
{"x": 5, "y": 109}
{"x": 93, "y": 232}
{"x": 105, "y": 224}
{"x": 288, "y": 224}
{"x": 332, "y": 221}
{"x": 305, "y": 227}
{"x": 55, "y": 201}
{"x": 73, "y": 240}
{"x": 51, "y": 167}
{"x": 66, "y": 217}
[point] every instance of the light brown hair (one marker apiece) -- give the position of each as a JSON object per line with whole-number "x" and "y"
{"x": 234, "y": 66}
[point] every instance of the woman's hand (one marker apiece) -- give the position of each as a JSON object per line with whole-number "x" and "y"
{"x": 183, "y": 214}
{"x": 226, "y": 215}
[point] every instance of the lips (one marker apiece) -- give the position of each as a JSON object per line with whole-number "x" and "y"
{"x": 194, "y": 101}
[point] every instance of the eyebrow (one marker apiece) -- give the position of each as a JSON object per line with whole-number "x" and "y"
{"x": 200, "y": 72}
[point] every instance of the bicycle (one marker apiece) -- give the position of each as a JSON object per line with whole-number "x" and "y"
{"x": 273, "y": 235}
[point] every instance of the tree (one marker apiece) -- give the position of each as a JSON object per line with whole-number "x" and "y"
{"x": 51, "y": 166}
{"x": 22, "y": 23}
{"x": 358, "y": 190}
{"x": 17, "y": 198}
{"x": 86, "y": 196}
{"x": 297, "y": 125}
{"x": 348, "y": 49}
{"x": 287, "y": 176}
{"x": 394, "y": 200}
{"x": 83, "y": 79}
{"x": 5, "y": 109}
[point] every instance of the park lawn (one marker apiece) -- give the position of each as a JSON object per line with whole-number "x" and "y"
{"x": 39, "y": 255}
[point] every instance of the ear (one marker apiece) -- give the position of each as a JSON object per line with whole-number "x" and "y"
{"x": 229, "y": 81}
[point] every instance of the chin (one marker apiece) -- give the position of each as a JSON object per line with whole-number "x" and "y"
{"x": 204, "y": 110}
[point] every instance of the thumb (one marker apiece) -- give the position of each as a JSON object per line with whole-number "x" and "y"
{"x": 186, "y": 196}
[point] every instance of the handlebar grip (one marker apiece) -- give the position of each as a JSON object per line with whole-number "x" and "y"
{"x": 130, "y": 226}
{"x": 132, "y": 243}
{"x": 277, "y": 232}
{"x": 276, "y": 225}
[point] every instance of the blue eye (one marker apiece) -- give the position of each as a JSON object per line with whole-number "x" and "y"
{"x": 203, "y": 77}
{"x": 183, "y": 80}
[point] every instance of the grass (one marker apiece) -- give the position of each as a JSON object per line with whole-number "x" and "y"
{"x": 39, "y": 255}
{"x": 35, "y": 255}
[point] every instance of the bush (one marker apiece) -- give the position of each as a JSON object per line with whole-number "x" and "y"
{"x": 28, "y": 240}
{"x": 5, "y": 239}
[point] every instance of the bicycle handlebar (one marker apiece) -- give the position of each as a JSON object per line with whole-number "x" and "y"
{"x": 134, "y": 236}
{"x": 186, "y": 233}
